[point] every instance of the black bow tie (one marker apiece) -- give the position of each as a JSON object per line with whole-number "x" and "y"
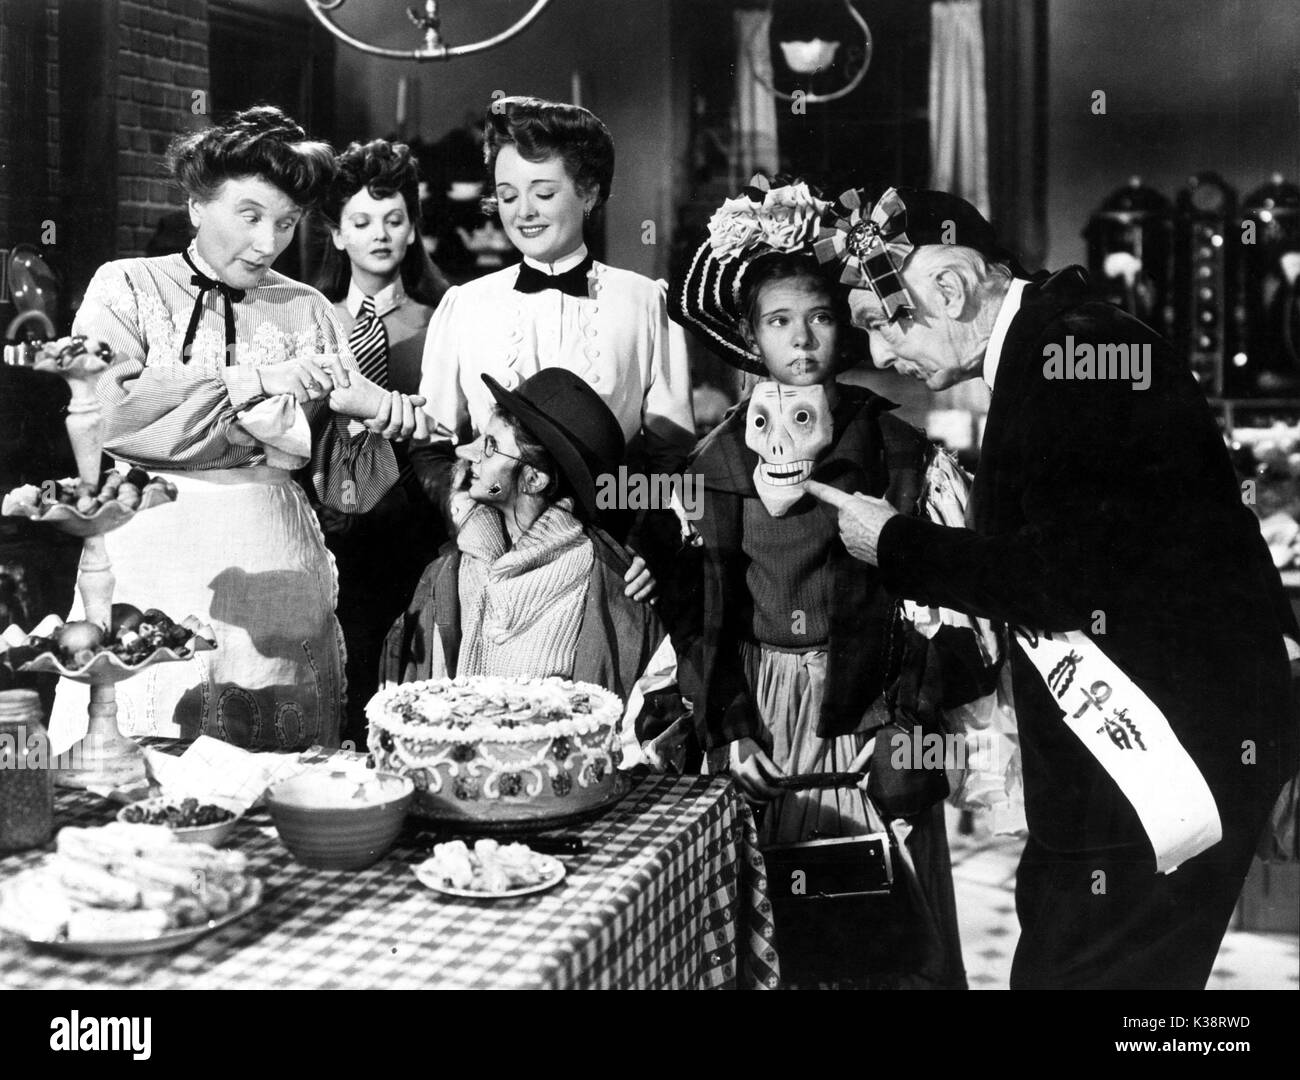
{"x": 228, "y": 293}
{"x": 571, "y": 282}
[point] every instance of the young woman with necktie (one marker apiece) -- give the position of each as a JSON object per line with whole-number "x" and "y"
{"x": 385, "y": 289}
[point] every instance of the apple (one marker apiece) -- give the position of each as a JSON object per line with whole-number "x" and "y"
{"x": 126, "y": 617}
{"x": 75, "y": 637}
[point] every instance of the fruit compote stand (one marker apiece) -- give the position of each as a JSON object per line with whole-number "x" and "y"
{"x": 104, "y": 758}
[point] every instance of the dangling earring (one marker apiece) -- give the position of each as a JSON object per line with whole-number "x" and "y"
{"x": 586, "y": 213}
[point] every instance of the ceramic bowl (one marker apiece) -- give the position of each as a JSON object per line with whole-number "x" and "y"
{"x": 331, "y": 821}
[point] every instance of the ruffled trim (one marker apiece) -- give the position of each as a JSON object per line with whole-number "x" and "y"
{"x": 279, "y": 426}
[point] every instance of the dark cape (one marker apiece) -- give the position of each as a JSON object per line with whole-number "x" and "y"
{"x": 1113, "y": 509}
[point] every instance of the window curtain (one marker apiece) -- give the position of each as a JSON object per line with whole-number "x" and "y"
{"x": 756, "y": 148}
{"x": 958, "y": 113}
{"x": 1015, "y": 79}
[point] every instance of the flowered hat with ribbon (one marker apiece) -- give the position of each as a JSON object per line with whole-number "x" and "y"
{"x": 763, "y": 219}
{"x": 871, "y": 241}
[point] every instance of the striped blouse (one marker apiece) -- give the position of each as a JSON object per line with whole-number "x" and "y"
{"x": 163, "y": 412}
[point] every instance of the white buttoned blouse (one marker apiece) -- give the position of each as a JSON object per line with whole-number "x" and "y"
{"x": 619, "y": 339}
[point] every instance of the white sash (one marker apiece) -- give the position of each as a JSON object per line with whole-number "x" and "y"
{"x": 1132, "y": 741}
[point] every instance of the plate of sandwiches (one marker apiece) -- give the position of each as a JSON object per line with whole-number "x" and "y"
{"x": 122, "y": 890}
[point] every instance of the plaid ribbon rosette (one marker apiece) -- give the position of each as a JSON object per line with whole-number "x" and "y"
{"x": 870, "y": 244}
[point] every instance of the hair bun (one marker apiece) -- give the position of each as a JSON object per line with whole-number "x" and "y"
{"x": 261, "y": 141}
{"x": 538, "y": 129}
{"x": 382, "y": 168}
{"x": 263, "y": 120}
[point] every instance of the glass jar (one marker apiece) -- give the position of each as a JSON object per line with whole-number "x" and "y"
{"x": 26, "y": 773}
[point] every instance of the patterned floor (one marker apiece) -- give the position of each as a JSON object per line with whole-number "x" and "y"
{"x": 984, "y": 870}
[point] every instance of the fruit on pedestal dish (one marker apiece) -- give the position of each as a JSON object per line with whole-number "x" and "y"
{"x": 127, "y": 490}
{"x": 67, "y": 349}
{"x": 132, "y": 638}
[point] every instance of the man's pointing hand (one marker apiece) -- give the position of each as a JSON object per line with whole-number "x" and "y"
{"x": 861, "y": 518}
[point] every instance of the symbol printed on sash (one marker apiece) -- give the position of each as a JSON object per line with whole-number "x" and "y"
{"x": 1131, "y": 740}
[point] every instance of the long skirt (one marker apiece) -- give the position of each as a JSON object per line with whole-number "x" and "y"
{"x": 788, "y": 689}
{"x": 241, "y": 550}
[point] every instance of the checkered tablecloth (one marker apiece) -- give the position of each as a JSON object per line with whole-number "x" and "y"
{"x": 670, "y": 892}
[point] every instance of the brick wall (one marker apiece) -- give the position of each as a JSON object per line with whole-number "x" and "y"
{"x": 91, "y": 93}
{"x": 162, "y": 63}
{"x": 52, "y": 127}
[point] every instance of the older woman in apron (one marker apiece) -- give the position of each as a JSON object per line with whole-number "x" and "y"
{"x": 228, "y": 377}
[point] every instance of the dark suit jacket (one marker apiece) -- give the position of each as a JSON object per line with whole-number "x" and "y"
{"x": 1094, "y": 498}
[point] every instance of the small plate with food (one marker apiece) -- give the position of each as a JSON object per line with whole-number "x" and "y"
{"x": 491, "y": 871}
{"x": 191, "y": 821}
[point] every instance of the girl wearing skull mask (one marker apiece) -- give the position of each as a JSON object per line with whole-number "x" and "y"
{"x": 796, "y": 659}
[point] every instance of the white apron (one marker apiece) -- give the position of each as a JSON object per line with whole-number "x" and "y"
{"x": 241, "y": 550}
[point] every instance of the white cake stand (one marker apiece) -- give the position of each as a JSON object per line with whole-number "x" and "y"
{"x": 104, "y": 757}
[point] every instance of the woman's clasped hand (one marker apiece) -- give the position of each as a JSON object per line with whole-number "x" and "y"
{"x": 303, "y": 377}
{"x": 392, "y": 414}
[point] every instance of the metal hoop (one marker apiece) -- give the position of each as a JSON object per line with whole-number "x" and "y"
{"x": 433, "y": 48}
{"x": 816, "y": 99}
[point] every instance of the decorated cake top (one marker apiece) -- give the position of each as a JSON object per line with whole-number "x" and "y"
{"x": 490, "y": 709}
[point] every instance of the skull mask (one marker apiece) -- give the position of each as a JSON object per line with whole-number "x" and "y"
{"x": 788, "y": 427}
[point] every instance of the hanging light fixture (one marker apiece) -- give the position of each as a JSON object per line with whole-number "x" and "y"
{"x": 809, "y": 57}
{"x": 816, "y": 54}
{"x": 430, "y": 21}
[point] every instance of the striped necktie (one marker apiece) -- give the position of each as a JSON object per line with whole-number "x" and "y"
{"x": 369, "y": 344}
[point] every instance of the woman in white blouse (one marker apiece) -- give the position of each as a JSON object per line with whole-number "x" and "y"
{"x": 227, "y": 377}
{"x": 551, "y": 166}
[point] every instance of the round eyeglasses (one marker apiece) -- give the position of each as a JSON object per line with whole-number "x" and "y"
{"x": 491, "y": 449}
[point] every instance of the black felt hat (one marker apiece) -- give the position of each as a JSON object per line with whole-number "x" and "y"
{"x": 564, "y": 414}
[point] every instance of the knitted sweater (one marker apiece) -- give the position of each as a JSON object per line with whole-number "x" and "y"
{"x": 788, "y": 575}
{"x": 522, "y": 606}
{"x": 616, "y": 637}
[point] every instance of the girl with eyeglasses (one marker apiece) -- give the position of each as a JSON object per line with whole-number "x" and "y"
{"x": 531, "y": 586}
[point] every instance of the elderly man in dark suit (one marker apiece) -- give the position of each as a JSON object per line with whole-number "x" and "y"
{"x": 1104, "y": 502}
